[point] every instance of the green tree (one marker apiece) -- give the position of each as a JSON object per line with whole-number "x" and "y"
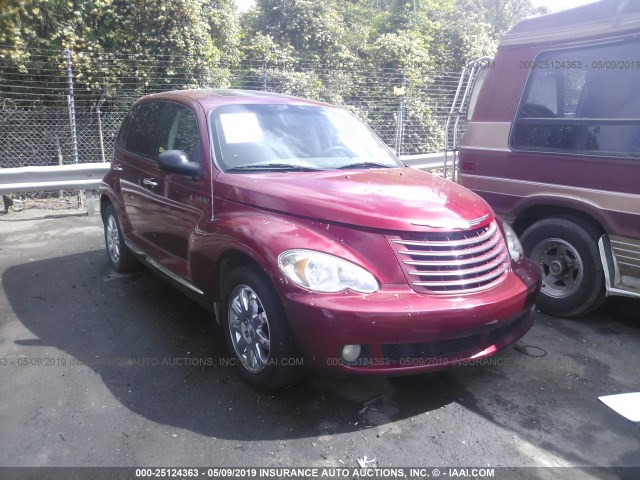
{"x": 153, "y": 44}
{"x": 314, "y": 30}
{"x": 500, "y": 15}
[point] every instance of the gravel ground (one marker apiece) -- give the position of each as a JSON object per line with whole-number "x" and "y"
{"x": 65, "y": 316}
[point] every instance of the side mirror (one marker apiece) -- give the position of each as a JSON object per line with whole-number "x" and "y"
{"x": 176, "y": 161}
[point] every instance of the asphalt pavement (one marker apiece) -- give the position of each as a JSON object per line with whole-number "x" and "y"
{"x": 103, "y": 369}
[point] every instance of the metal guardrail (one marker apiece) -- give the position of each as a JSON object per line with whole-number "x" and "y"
{"x": 429, "y": 161}
{"x": 87, "y": 176}
{"x": 83, "y": 176}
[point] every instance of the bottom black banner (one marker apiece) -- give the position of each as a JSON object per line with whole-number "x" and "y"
{"x": 311, "y": 473}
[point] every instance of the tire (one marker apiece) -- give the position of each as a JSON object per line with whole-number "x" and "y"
{"x": 122, "y": 259}
{"x": 572, "y": 274}
{"x": 257, "y": 332}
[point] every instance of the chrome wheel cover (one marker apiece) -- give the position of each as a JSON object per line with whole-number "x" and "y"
{"x": 249, "y": 329}
{"x": 561, "y": 267}
{"x": 113, "y": 239}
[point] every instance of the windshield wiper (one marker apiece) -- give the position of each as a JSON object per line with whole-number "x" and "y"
{"x": 280, "y": 167}
{"x": 366, "y": 165}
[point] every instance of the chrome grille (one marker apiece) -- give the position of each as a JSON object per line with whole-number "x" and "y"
{"x": 452, "y": 262}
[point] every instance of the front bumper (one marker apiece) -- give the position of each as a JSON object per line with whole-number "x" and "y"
{"x": 403, "y": 332}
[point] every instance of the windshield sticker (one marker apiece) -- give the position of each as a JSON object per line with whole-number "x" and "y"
{"x": 241, "y": 127}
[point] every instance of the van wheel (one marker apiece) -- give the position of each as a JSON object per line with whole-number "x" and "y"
{"x": 572, "y": 275}
{"x": 257, "y": 332}
{"x": 121, "y": 258}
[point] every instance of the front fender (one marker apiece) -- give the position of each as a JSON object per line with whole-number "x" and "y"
{"x": 262, "y": 236}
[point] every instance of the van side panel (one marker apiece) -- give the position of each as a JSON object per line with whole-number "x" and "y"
{"x": 502, "y": 88}
{"x": 627, "y": 253}
{"x": 554, "y": 131}
{"x": 616, "y": 213}
{"x": 605, "y": 188}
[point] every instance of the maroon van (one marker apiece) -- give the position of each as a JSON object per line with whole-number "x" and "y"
{"x": 309, "y": 239}
{"x": 553, "y": 144}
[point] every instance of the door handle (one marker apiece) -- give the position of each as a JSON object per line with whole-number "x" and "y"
{"x": 150, "y": 182}
{"x": 118, "y": 168}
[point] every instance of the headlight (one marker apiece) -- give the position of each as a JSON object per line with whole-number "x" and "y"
{"x": 513, "y": 243}
{"x": 325, "y": 273}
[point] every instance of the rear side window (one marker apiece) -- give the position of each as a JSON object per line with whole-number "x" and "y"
{"x": 126, "y": 127}
{"x": 143, "y": 135}
{"x": 582, "y": 101}
{"x": 180, "y": 132}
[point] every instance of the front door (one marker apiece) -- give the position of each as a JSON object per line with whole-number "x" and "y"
{"x": 186, "y": 200}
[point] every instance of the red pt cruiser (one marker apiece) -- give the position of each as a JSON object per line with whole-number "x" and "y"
{"x": 309, "y": 240}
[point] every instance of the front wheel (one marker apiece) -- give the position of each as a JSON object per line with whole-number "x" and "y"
{"x": 572, "y": 274}
{"x": 257, "y": 332}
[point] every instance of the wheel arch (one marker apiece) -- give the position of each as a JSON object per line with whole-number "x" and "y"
{"x": 105, "y": 201}
{"x": 229, "y": 260}
{"x": 577, "y": 213}
{"x": 232, "y": 259}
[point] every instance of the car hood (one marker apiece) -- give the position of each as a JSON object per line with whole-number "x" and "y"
{"x": 401, "y": 199}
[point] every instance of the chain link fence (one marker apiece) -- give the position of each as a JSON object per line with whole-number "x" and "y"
{"x": 54, "y": 104}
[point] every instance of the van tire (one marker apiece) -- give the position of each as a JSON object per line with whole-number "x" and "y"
{"x": 283, "y": 366}
{"x": 567, "y": 253}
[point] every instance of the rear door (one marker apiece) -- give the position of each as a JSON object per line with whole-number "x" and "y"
{"x": 141, "y": 181}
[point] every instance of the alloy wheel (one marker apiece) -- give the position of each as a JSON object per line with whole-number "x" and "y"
{"x": 249, "y": 329}
{"x": 113, "y": 239}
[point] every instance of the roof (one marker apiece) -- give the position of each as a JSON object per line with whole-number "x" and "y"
{"x": 605, "y": 18}
{"x": 210, "y": 98}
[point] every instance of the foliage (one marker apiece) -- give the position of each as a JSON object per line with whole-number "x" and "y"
{"x": 499, "y": 15}
{"x": 313, "y": 29}
{"x": 174, "y": 41}
{"x": 347, "y": 52}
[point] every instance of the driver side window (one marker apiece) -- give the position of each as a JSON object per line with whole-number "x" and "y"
{"x": 180, "y": 132}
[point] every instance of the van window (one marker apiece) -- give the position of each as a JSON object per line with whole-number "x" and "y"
{"x": 582, "y": 101}
{"x": 477, "y": 87}
{"x": 143, "y": 136}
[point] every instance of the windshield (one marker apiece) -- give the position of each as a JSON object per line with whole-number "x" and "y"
{"x": 294, "y": 138}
